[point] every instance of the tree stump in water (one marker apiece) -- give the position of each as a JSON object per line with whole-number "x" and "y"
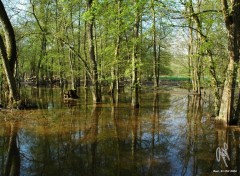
{"x": 71, "y": 94}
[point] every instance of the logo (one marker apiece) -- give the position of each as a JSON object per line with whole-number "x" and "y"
{"x": 222, "y": 153}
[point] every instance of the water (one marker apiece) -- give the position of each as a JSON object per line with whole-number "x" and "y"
{"x": 171, "y": 134}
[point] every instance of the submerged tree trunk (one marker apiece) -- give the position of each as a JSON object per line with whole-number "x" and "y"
{"x": 154, "y": 38}
{"x": 8, "y": 52}
{"x": 95, "y": 80}
{"x": 135, "y": 59}
{"x": 85, "y": 74}
{"x": 115, "y": 67}
{"x": 231, "y": 14}
{"x": 73, "y": 86}
{"x": 215, "y": 85}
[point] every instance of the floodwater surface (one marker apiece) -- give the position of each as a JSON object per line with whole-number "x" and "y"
{"x": 172, "y": 133}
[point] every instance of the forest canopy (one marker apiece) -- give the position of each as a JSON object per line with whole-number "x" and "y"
{"x": 111, "y": 43}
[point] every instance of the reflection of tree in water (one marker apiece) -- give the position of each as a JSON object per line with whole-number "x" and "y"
{"x": 199, "y": 145}
{"x": 199, "y": 154}
{"x": 12, "y": 164}
{"x": 168, "y": 135}
{"x": 158, "y": 145}
{"x": 148, "y": 101}
{"x": 231, "y": 137}
{"x": 94, "y": 143}
{"x": 194, "y": 114}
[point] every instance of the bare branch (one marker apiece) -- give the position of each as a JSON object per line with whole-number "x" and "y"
{"x": 198, "y": 13}
{"x": 198, "y": 31}
{"x": 35, "y": 16}
{"x": 78, "y": 56}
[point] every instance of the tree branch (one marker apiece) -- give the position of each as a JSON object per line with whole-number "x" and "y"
{"x": 35, "y": 16}
{"x": 198, "y": 13}
{"x": 78, "y": 56}
{"x": 182, "y": 26}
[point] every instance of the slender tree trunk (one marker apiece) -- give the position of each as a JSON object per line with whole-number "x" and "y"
{"x": 72, "y": 57}
{"x": 155, "y": 59}
{"x": 195, "y": 62}
{"x": 215, "y": 85}
{"x": 95, "y": 81}
{"x": 42, "y": 27}
{"x": 73, "y": 86}
{"x": 114, "y": 69}
{"x": 86, "y": 76}
{"x": 199, "y": 40}
{"x": 42, "y": 55}
{"x": 79, "y": 43}
{"x": 135, "y": 59}
{"x": 190, "y": 55}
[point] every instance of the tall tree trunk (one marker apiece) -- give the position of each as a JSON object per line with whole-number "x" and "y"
{"x": 95, "y": 81}
{"x": 114, "y": 69}
{"x": 190, "y": 54}
{"x": 232, "y": 18}
{"x": 60, "y": 62}
{"x": 79, "y": 43}
{"x": 73, "y": 86}
{"x": 155, "y": 59}
{"x": 86, "y": 76}
{"x": 198, "y": 62}
{"x": 8, "y": 51}
{"x": 39, "y": 74}
{"x": 237, "y": 113}
{"x": 42, "y": 27}
{"x": 72, "y": 57}
{"x": 135, "y": 58}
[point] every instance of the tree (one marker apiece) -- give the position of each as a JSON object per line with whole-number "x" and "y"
{"x": 231, "y": 13}
{"x": 9, "y": 54}
{"x": 155, "y": 58}
{"x": 204, "y": 61}
{"x": 95, "y": 79}
{"x": 115, "y": 68}
{"x": 135, "y": 56}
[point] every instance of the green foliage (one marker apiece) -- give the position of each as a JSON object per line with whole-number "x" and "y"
{"x": 63, "y": 24}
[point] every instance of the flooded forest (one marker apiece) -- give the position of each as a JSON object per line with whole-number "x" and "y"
{"x": 119, "y": 87}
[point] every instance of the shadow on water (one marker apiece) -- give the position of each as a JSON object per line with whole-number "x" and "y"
{"x": 10, "y": 160}
{"x": 170, "y": 134}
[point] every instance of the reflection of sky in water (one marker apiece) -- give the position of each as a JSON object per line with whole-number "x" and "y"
{"x": 170, "y": 139}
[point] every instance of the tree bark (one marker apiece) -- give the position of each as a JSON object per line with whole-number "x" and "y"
{"x": 232, "y": 19}
{"x": 8, "y": 52}
{"x": 95, "y": 81}
{"x": 135, "y": 59}
{"x": 115, "y": 68}
{"x": 9, "y": 37}
{"x": 155, "y": 58}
